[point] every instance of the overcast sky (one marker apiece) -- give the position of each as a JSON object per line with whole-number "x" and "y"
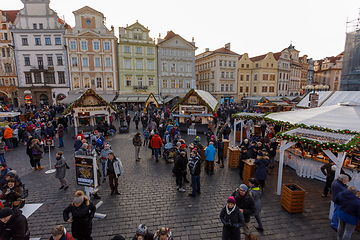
{"x": 316, "y": 28}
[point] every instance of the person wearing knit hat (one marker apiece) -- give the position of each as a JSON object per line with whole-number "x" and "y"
{"x": 246, "y": 205}
{"x": 14, "y": 222}
{"x": 142, "y": 233}
{"x": 233, "y": 219}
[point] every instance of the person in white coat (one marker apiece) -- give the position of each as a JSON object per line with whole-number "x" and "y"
{"x": 114, "y": 169}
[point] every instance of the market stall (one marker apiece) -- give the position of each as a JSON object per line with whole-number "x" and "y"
{"x": 241, "y": 118}
{"x": 200, "y": 105}
{"x": 88, "y": 110}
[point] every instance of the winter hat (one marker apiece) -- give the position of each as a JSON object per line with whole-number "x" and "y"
{"x": 246, "y": 140}
{"x": 231, "y": 199}
{"x": 261, "y": 154}
{"x": 3, "y": 165}
{"x": 5, "y": 212}
{"x": 183, "y": 146}
{"x": 178, "y": 144}
{"x": 333, "y": 167}
{"x": 118, "y": 237}
{"x": 244, "y": 187}
{"x": 79, "y": 199}
{"x": 212, "y": 136}
{"x": 142, "y": 229}
{"x": 198, "y": 138}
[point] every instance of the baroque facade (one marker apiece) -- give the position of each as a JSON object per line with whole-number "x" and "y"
{"x": 328, "y": 72}
{"x": 284, "y": 71}
{"x": 91, "y": 53}
{"x": 8, "y": 77}
{"x": 40, "y": 54}
{"x": 216, "y": 72}
{"x": 137, "y": 63}
{"x": 295, "y": 74}
{"x": 176, "y": 65}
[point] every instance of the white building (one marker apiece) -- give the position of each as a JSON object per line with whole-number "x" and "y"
{"x": 40, "y": 54}
{"x": 176, "y": 66}
{"x": 284, "y": 71}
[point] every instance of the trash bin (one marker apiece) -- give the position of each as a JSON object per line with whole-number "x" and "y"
{"x": 292, "y": 198}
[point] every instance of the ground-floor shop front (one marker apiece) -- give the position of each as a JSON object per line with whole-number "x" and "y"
{"x": 42, "y": 96}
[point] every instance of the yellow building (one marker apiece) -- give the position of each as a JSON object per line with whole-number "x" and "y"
{"x": 257, "y": 76}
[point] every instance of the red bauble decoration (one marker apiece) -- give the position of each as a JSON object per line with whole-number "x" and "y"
{"x": 329, "y": 148}
{"x": 300, "y": 142}
{"x": 318, "y": 144}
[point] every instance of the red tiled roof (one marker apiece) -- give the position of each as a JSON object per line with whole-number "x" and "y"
{"x": 224, "y": 50}
{"x": 67, "y": 26}
{"x": 240, "y": 57}
{"x": 258, "y": 58}
{"x": 277, "y": 55}
{"x": 332, "y": 59}
{"x": 11, "y": 14}
{"x": 169, "y": 35}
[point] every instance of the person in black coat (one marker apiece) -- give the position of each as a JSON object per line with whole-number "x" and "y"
{"x": 220, "y": 150}
{"x": 82, "y": 211}
{"x": 179, "y": 169}
{"x": 246, "y": 204}
{"x": 233, "y": 219}
{"x": 13, "y": 224}
{"x": 29, "y": 152}
{"x": 195, "y": 170}
{"x": 252, "y": 150}
{"x": 272, "y": 151}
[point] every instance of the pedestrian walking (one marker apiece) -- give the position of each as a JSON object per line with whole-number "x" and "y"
{"x": 255, "y": 192}
{"x": 163, "y": 234}
{"x": 82, "y": 211}
{"x": 11, "y": 193}
{"x": 2, "y": 152}
{"x": 61, "y": 167}
{"x": 137, "y": 144}
{"x": 128, "y": 120}
{"x": 232, "y": 219}
{"x": 136, "y": 119}
{"x": 114, "y": 169}
{"x": 220, "y": 149}
{"x": 13, "y": 225}
{"x": 210, "y": 153}
{"x": 36, "y": 153}
{"x": 103, "y": 156}
{"x": 179, "y": 169}
{"x": 348, "y": 212}
{"x": 195, "y": 170}
{"x": 8, "y": 132}
{"x": 156, "y": 144}
{"x": 339, "y": 185}
{"x": 260, "y": 173}
{"x": 59, "y": 233}
{"x": 15, "y": 136}
{"x": 142, "y": 233}
{"x": 60, "y": 132}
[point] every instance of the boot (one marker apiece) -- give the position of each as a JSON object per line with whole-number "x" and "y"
{"x": 40, "y": 168}
{"x": 222, "y": 163}
{"x": 35, "y": 168}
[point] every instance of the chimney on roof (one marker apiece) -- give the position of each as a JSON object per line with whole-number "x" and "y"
{"x": 227, "y": 46}
{"x": 192, "y": 39}
{"x": 207, "y": 49}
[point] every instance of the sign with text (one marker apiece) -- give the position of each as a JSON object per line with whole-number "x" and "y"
{"x": 90, "y": 109}
{"x": 84, "y": 168}
{"x": 314, "y": 100}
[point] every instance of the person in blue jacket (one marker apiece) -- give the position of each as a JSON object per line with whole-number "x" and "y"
{"x": 338, "y": 186}
{"x": 348, "y": 212}
{"x": 210, "y": 154}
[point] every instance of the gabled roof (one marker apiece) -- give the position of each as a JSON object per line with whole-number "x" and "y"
{"x": 138, "y": 24}
{"x": 87, "y": 8}
{"x": 206, "y": 99}
{"x": 10, "y": 15}
{"x": 277, "y": 55}
{"x": 258, "y": 58}
{"x": 169, "y": 35}
{"x": 224, "y": 50}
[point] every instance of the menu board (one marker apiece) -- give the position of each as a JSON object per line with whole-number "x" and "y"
{"x": 84, "y": 170}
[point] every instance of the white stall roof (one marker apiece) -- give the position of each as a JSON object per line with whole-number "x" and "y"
{"x": 208, "y": 98}
{"x": 342, "y": 96}
{"x": 250, "y": 114}
{"x": 304, "y": 103}
{"x": 341, "y": 116}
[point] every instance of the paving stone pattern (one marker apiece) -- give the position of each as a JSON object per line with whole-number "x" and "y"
{"x": 149, "y": 195}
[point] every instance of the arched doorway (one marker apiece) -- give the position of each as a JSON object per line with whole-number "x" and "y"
{"x": 44, "y": 100}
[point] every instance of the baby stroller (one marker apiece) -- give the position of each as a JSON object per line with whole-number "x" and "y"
{"x": 124, "y": 128}
{"x": 48, "y": 141}
{"x": 169, "y": 153}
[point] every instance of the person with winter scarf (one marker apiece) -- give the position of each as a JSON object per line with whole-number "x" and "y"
{"x": 163, "y": 234}
{"x": 233, "y": 219}
{"x": 60, "y": 167}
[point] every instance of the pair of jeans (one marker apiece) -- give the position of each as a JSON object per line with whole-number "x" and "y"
{"x": 258, "y": 219}
{"x": 226, "y": 137}
{"x": 2, "y": 158}
{"x": 195, "y": 184}
{"x": 61, "y": 142}
{"x": 345, "y": 230}
{"x": 157, "y": 153}
{"x": 113, "y": 182}
{"x": 9, "y": 143}
{"x": 335, "y": 219}
{"x": 179, "y": 180}
{"x": 103, "y": 168}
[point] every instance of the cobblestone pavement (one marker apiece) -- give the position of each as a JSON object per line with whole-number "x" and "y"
{"x": 148, "y": 195}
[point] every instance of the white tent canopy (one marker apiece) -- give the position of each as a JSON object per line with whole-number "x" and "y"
{"x": 208, "y": 98}
{"x": 342, "y": 96}
{"x": 341, "y": 116}
{"x": 9, "y": 114}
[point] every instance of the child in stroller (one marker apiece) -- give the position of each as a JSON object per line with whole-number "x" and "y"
{"x": 169, "y": 152}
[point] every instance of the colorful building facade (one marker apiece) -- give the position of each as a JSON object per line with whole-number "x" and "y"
{"x": 284, "y": 71}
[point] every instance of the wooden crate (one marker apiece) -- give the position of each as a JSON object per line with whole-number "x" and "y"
{"x": 292, "y": 201}
{"x": 237, "y": 136}
{"x": 249, "y": 170}
{"x": 209, "y": 165}
{"x": 226, "y": 144}
{"x": 234, "y": 153}
{"x": 203, "y": 153}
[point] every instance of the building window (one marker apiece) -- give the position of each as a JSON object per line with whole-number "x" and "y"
{"x": 139, "y": 82}
{"x": 188, "y": 53}
{"x": 96, "y": 46}
{"x": 264, "y": 89}
{"x": 27, "y": 61}
{"x": 83, "y": 45}
{"x": 188, "y": 84}
{"x": 164, "y": 66}
{"x": 241, "y": 89}
{"x": 222, "y": 87}
{"x": 255, "y": 77}
{"x": 173, "y": 83}
{"x": 172, "y": 52}
{"x": 46, "y": 77}
{"x": 59, "y": 60}
{"x": 241, "y": 77}
{"x": 127, "y": 49}
{"x": 165, "y": 83}
{"x": 98, "y": 83}
{"x": 107, "y": 62}
{"x": 135, "y": 36}
{"x": 151, "y": 81}
{"x": 128, "y": 81}
{"x": 231, "y": 87}
{"x": 271, "y": 89}
{"x": 227, "y": 74}
{"x": 220, "y": 63}
{"x": 28, "y": 78}
{"x": 40, "y": 64}
{"x": 173, "y": 68}
{"x": 212, "y": 75}
{"x": 150, "y": 51}
{"x": 127, "y": 64}
{"x": 97, "y": 62}
{"x": 50, "y": 61}
{"x": 5, "y": 36}
{"x": 24, "y": 41}
{"x": 37, "y": 76}
{"x": 3, "y": 52}
{"x": 61, "y": 76}
{"x": 7, "y": 67}
{"x": 231, "y": 75}
{"x": 181, "y": 68}
{"x": 51, "y": 77}
{"x": 212, "y": 87}
{"x": 109, "y": 83}
{"x": 225, "y": 63}
{"x": 265, "y": 77}
{"x": 181, "y": 84}
{"x": 272, "y": 77}
{"x": 246, "y": 89}
{"x": 86, "y": 82}
{"x": 47, "y": 41}
{"x": 74, "y": 62}
{"x": 57, "y": 41}
{"x": 85, "y": 62}
{"x": 257, "y": 65}
{"x": 76, "y": 82}
{"x": 72, "y": 45}
{"x": 139, "y": 64}
{"x": 107, "y": 45}
{"x": 247, "y": 77}
{"x": 234, "y": 64}
{"x": 164, "y": 52}
{"x": 34, "y": 26}
{"x": 151, "y": 65}
{"x": 138, "y": 50}
{"x": 37, "y": 41}
{"x": 188, "y": 68}
{"x": 226, "y": 88}
{"x": 222, "y": 74}
{"x": 255, "y": 89}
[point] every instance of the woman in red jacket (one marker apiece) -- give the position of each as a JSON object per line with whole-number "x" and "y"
{"x": 156, "y": 144}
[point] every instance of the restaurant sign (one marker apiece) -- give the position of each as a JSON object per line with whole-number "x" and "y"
{"x": 90, "y": 109}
